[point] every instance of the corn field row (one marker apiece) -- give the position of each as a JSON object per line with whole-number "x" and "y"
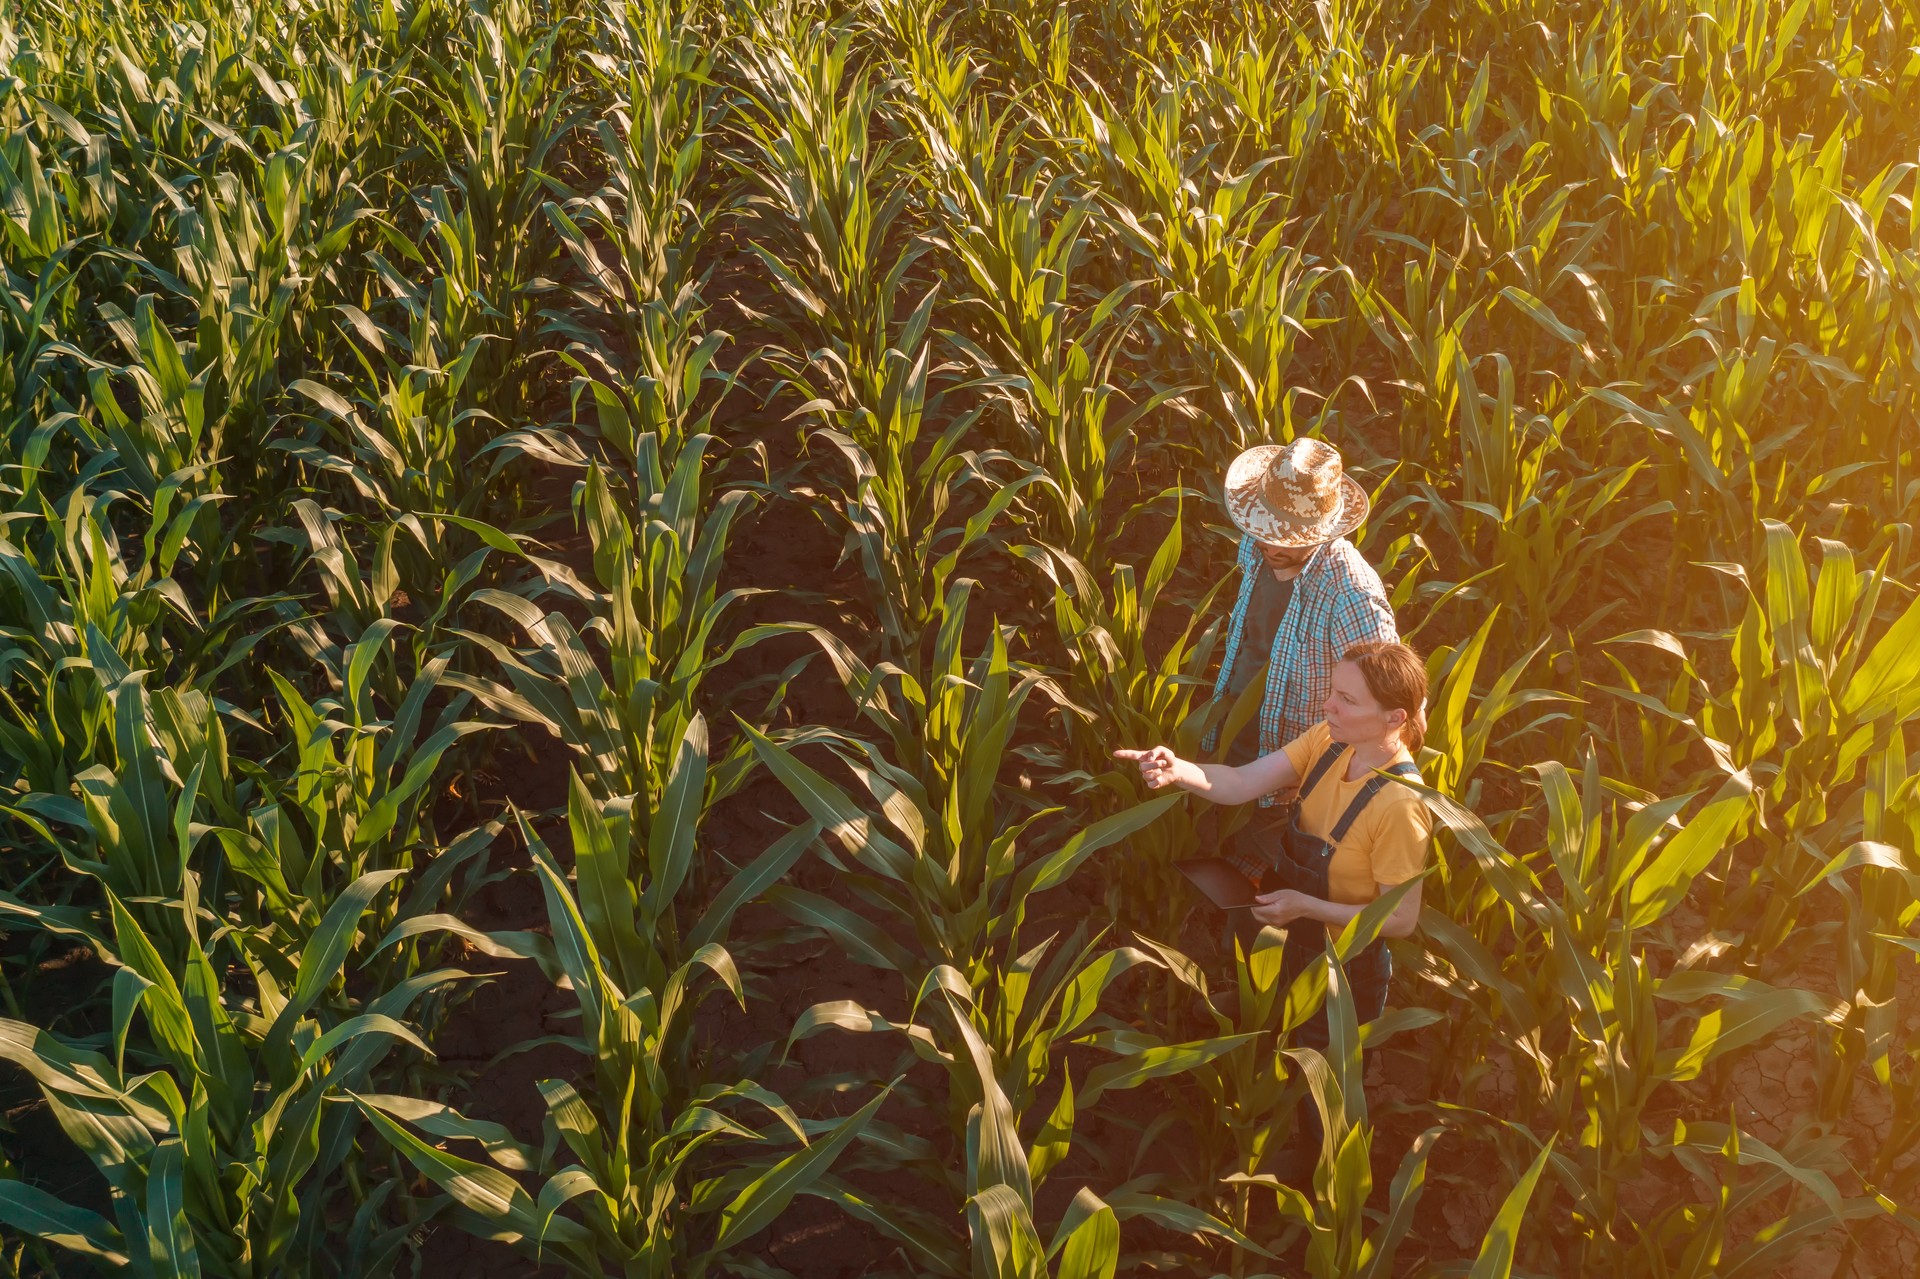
{"x": 401, "y": 400}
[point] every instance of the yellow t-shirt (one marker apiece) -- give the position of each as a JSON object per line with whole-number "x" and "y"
{"x": 1388, "y": 842}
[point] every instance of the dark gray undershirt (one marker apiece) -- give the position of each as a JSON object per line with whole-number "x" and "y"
{"x": 1264, "y": 611}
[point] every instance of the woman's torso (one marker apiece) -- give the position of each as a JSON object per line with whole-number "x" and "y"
{"x": 1386, "y": 844}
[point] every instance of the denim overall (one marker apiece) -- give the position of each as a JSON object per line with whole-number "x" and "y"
{"x": 1301, "y": 864}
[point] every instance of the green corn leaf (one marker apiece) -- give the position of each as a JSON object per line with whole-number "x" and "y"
{"x": 1891, "y": 670}
{"x": 767, "y": 1196}
{"x": 862, "y": 940}
{"x": 1755, "y": 1013}
{"x": 1056, "y": 867}
{"x": 558, "y": 1191}
{"x": 1158, "y": 1063}
{"x": 487, "y": 533}
{"x": 1363, "y": 930}
{"x": 573, "y": 944}
{"x": 749, "y": 883}
{"x": 353, "y": 1028}
{"x": 994, "y": 1134}
{"x": 1541, "y": 314}
{"x": 1005, "y": 1243}
{"x": 577, "y": 1125}
{"x": 601, "y": 885}
{"x": 1343, "y": 1047}
{"x": 1092, "y": 1250}
{"x": 1183, "y": 1218}
{"x": 1503, "y": 1236}
{"x": 111, "y": 1126}
{"x": 1663, "y": 884}
{"x": 1566, "y": 832}
{"x": 1834, "y": 595}
{"x": 326, "y": 952}
{"x": 163, "y": 1001}
{"x": 421, "y": 769}
{"x": 848, "y": 1015}
{"x": 1751, "y": 1151}
{"x": 828, "y": 805}
{"x": 1628, "y": 850}
{"x": 139, "y": 796}
{"x": 1866, "y": 853}
{"x": 1396, "y": 1021}
{"x": 1081, "y": 998}
{"x": 498, "y": 944}
{"x": 489, "y": 1193}
{"x": 38, "y": 1215}
{"x": 229, "y": 1075}
{"x": 1772, "y": 1249}
{"x": 169, "y": 1233}
{"x": 361, "y": 655}
{"x": 718, "y": 961}
{"x": 325, "y": 397}
{"x": 670, "y": 841}
{"x": 1055, "y": 1138}
{"x": 1788, "y": 612}
{"x": 447, "y": 1123}
{"x": 1402, "y": 1199}
{"x": 930, "y": 1246}
{"x": 68, "y": 921}
{"x": 129, "y": 990}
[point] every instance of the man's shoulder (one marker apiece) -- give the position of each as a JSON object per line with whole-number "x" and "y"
{"x": 1341, "y": 566}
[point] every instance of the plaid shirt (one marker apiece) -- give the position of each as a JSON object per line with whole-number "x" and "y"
{"x": 1337, "y": 602}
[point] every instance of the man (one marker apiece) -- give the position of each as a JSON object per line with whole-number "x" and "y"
{"x": 1306, "y": 596}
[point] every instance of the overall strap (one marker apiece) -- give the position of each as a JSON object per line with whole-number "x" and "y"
{"x": 1321, "y": 767}
{"x": 1373, "y": 787}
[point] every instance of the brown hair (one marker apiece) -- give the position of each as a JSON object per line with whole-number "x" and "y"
{"x": 1397, "y": 679}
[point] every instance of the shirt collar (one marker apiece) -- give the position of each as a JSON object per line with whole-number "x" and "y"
{"x": 1321, "y": 558}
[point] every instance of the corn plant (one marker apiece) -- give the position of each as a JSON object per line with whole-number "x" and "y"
{"x": 1240, "y": 295}
{"x": 647, "y": 1187}
{"x": 1018, "y": 237}
{"x": 635, "y": 331}
{"x": 936, "y": 852}
{"x": 997, "y": 1045}
{"x": 1240, "y": 1072}
{"x": 894, "y": 504}
{"x": 1116, "y": 690}
{"x": 1803, "y": 660}
{"x": 1001, "y": 1172}
{"x": 1339, "y": 1241}
{"x": 228, "y": 1096}
{"x": 504, "y": 103}
{"x": 1578, "y": 999}
{"x": 76, "y": 617}
{"x": 238, "y": 1080}
{"x": 292, "y": 846}
{"x": 946, "y": 863}
{"x": 657, "y": 556}
{"x": 823, "y": 222}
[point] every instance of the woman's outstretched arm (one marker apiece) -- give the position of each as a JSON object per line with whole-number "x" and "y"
{"x": 1220, "y": 783}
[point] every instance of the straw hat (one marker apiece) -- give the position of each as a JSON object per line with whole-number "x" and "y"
{"x": 1294, "y": 494}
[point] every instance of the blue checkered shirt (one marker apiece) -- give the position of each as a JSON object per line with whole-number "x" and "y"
{"x": 1337, "y": 602}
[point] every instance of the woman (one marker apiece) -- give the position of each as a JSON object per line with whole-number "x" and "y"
{"x": 1354, "y": 835}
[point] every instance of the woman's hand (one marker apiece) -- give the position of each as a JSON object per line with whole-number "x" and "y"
{"x": 1283, "y": 906}
{"x": 1158, "y": 766}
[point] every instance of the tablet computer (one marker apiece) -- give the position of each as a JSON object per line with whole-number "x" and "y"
{"x": 1220, "y": 880}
